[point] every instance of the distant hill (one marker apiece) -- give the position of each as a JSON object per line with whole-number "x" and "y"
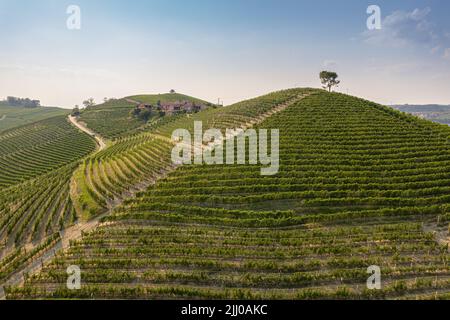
{"x": 434, "y": 112}
{"x": 113, "y": 119}
{"x": 422, "y": 108}
{"x": 13, "y": 116}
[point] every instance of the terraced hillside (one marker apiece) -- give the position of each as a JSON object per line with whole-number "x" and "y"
{"x": 134, "y": 162}
{"x": 243, "y": 113}
{"x": 35, "y": 149}
{"x": 359, "y": 185}
{"x": 11, "y": 117}
{"x": 36, "y": 208}
{"x": 37, "y": 162}
{"x": 112, "y": 120}
{"x": 111, "y": 175}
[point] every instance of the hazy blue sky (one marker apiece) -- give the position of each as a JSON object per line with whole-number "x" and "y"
{"x": 232, "y": 49}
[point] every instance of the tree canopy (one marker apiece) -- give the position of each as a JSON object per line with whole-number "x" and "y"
{"x": 76, "y": 111}
{"x": 22, "y": 102}
{"x": 329, "y": 80}
{"x": 89, "y": 102}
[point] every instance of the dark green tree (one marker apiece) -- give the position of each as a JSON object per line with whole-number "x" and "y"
{"x": 76, "y": 111}
{"x": 329, "y": 80}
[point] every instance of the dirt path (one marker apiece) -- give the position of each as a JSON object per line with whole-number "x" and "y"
{"x": 101, "y": 143}
{"x": 72, "y": 233}
{"x": 441, "y": 233}
{"x": 76, "y": 231}
{"x": 133, "y": 101}
{"x": 3, "y": 117}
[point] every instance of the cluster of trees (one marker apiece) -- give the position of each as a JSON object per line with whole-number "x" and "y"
{"x": 86, "y": 103}
{"x": 76, "y": 111}
{"x": 148, "y": 112}
{"x": 22, "y": 102}
{"x": 143, "y": 114}
{"x": 89, "y": 103}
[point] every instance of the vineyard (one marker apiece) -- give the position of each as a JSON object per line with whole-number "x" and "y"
{"x": 35, "y": 149}
{"x": 359, "y": 185}
{"x": 112, "y": 119}
{"x": 134, "y": 162}
{"x": 242, "y": 114}
{"x": 37, "y": 164}
{"x": 113, "y": 174}
{"x": 11, "y": 117}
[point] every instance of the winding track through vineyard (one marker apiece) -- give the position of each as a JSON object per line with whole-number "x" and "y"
{"x": 359, "y": 185}
{"x": 100, "y": 141}
{"x": 58, "y": 242}
{"x": 37, "y": 162}
{"x": 75, "y": 232}
{"x": 131, "y": 164}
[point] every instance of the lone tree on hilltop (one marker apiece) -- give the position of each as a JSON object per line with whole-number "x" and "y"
{"x": 172, "y": 91}
{"x": 329, "y": 80}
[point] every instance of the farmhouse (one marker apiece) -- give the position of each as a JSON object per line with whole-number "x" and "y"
{"x": 144, "y": 106}
{"x": 180, "y": 106}
{"x": 167, "y": 108}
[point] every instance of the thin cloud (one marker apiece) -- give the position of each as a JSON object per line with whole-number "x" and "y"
{"x": 435, "y": 49}
{"x": 403, "y": 28}
{"x": 330, "y": 64}
{"x": 447, "y": 54}
{"x": 395, "y": 68}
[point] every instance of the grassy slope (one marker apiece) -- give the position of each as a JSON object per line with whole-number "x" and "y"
{"x": 154, "y": 98}
{"x": 11, "y": 117}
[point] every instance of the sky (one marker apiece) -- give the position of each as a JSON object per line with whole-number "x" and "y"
{"x": 232, "y": 50}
